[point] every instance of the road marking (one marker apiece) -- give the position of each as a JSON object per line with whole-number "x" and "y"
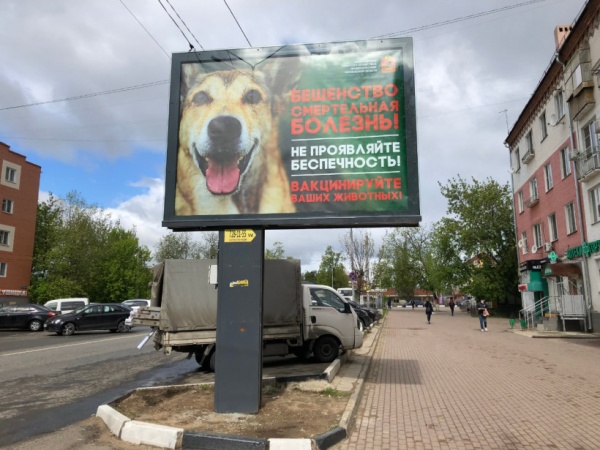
{"x": 64, "y": 346}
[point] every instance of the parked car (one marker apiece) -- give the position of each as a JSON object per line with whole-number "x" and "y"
{"x": 363, "y": 315}
{"x": 100, "y": 316}
{"x": 29, "y": 316}
{"x": 374, "y": 313}
{"x": 66, "y": 305}
{"x": 134, "y": 304}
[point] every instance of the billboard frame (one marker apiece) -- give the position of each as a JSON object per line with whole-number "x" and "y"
{"x": 410, "y": 216}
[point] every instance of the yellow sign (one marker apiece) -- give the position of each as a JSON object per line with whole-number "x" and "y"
{"x": 241, "y": 283}
{"x": 239, "y": 235}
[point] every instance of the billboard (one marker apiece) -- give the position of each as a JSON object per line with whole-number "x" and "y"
{"x": 298, "y": 136}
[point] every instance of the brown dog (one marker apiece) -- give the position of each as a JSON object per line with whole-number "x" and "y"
{"x": 229, "y": 161}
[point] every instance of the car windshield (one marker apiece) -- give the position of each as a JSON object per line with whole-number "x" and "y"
{"x": 78, "y": 310}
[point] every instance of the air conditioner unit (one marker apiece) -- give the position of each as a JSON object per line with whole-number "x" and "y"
{"x": 534, "y": 249}
{"x": 521, "y": 243}
{"x": 548, "y": 246}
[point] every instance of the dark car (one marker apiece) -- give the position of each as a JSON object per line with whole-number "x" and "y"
{"x": 28, "y": 316}
{"x": 362, "y": 315}
{"x": 98, "y": 316}
{"x": 373, "y": 313}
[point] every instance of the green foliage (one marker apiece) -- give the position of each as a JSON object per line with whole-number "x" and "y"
{"x": 480, "y": 227}
{"x": 310, "y": 276}
{"x": 276, "y": 252}
{"x": 331, "y": 270}
{"x": 80, "y": 251}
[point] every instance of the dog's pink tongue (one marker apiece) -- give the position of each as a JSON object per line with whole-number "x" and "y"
{"x": 222, "y": 178}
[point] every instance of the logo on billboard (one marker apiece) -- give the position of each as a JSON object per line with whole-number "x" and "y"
{"x": 388, "y": 64}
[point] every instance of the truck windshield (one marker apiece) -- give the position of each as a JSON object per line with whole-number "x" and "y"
{"x": 324, "y": 297}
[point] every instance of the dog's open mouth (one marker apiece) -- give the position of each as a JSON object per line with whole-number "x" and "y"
{"x": 223, "y": 170}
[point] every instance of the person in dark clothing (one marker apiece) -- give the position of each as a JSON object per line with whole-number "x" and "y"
{"x": 428, "y": 311}
{"x": 483, "y": 313}
{"x": 451, "y": 304}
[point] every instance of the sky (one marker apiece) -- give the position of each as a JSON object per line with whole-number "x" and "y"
{"x": 84, "y": 88}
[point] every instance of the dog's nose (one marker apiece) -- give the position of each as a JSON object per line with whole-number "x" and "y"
{"x": 224, "y": 128}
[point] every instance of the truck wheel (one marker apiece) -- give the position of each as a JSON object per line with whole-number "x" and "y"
{"x": 300, "y": 352}
{"x": 326, "y": 349}
{"x": 212, "y": 361}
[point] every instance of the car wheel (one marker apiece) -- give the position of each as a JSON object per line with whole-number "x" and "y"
{"x": 35, "y": 325}
{"x": 326, "y": 349}
{"x": 121, "y": 327}
{"x": 68, "y": 329}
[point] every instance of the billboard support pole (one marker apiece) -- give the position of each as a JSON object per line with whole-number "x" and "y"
{"x": 238, "y": 365}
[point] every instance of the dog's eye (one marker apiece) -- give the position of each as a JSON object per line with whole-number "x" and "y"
{"x": 201, "y": 98}
{"x": 252, "y": 97}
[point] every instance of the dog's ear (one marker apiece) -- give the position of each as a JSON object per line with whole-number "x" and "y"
{"x": 189, "y": 75}
{"x": 282, "y": 73}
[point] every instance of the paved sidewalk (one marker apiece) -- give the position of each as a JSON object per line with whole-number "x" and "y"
{"x": 449, "y": 386}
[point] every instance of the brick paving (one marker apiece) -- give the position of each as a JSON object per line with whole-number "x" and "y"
{"x": 449, "y": 386}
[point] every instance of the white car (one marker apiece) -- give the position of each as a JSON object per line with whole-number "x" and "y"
{"x": 134, "y": 304}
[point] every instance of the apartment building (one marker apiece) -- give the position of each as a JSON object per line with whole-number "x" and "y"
{"x": 555, "y": 165}
{"x": 19, "y": 188}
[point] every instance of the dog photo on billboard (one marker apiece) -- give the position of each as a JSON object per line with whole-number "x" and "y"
{"x": 229, "y": 160}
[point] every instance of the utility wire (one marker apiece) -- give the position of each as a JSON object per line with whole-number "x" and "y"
{"x": 457, "y": 19}
{"x": 178, "y": 27}
{"x": 96, "y": 94}
{"x": 183, "y": 22}
{"x": 238, "y": 24}
{"x": 137, "y": 20}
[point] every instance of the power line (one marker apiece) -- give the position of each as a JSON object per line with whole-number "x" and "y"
{"x": 178, "y": 27}
{"x": 457, "y": 19}
{"x": 183, "y": 22}
{"x": 96, "y": 94}
{"x": 168, "y": 56}
{"x": 238, "y": 24}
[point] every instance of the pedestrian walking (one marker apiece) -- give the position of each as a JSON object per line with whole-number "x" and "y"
{"x": 428, "y": 311}
{"x": 451, "y": 304}
{"x": 483, "y": 314}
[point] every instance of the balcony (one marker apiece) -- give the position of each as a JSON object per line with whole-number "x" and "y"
{"x": 534, "y": 200}
{"x": 588, "y": 163}
{"x": 528, "y": 156}
{"x": 582, "y": 101}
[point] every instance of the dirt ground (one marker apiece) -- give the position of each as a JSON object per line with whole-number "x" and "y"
{"x": 296, "y": 410}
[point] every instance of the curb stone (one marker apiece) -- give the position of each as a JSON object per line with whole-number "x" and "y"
{"x": 173, "y": 438}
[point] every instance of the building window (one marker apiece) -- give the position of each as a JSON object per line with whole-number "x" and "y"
{"x": 548, "y": 177}
{"x": 3, "y": 267}
{"x": 552, "y": 227}
{"x": 570, "y": 217}
{"x": 533, "y": 189}
{"x": 590, "y": 140}
{"x": 524, "y": 242}
{"x": 516, "y": 160}
{"x": 565, "y": 162}
{"x": 10, "y": 174}
{"x": 7, "y": 206}
{"x": 529, "y": 139}
{"x": 559, "y": 104}
{"x": 595, "y": 199}
{"x": 543, "y": 125}
{"x": 520, "y": 200}
{"x": 537, "y": 235}
{"x": 4, "y": 235}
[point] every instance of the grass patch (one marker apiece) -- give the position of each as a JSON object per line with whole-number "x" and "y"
{"x": 330, "y": 392}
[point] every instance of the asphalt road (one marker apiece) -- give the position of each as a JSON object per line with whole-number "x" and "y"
{"x": 49, "y": 381}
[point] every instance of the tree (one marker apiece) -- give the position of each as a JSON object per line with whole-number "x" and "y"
{"x": 177, "y": 246}
{"x": 310, "y": 276}
{"x": 360, "y": 249}
{"x": 209, "y": 246}
{"x": 480, "y": 226}
{"x": 397, "y": 267}
{"x": 80, "y": 251}
{"x": 331, "y": 270}
{"x": 275, "y": 252}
